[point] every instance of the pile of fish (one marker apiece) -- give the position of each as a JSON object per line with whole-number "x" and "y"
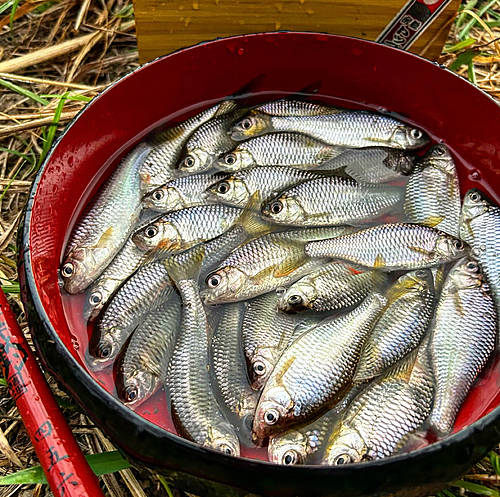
{"x": 294, "y": 275}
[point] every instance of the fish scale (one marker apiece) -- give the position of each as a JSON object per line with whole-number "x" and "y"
{"x": 315, "y": 370}
{"x": 121, "y": 267}
{"x": 390, "y": 247}
{"x": 332, "y": 200}
{"x": 464, "y": 336}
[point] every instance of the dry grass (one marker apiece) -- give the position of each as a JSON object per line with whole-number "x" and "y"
{"x": 75, "y": 49}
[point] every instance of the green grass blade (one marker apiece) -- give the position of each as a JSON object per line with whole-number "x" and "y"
{"x": 101, "y": 464}
{"x": 495, "y": 462}
{"x": 165, "y": 485}
{"x": 459, "y": 46}
{"x": 472, "y": 22}
{"x": 24, "y": 92}
{"x": 6, "y": 6}
{"x": 471, "y": 72}
{"x": 18, "y": 154}
{"x": 12, "y": 288}
{"x": 475, "y": 488}
{"x": 79, "y": 98}
{"x": 13, "y": 13}
{"x": 52, "y": 129}
{"x": 445, "y": 493}
{"x": 3, "y": 382}
{"x": 468, "y": 6}
{"x": 464, "y": 58}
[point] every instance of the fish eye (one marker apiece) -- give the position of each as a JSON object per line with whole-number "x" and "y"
{"x": 295, "y": 300}
{"x": 158, "y": 194}
{"x": 342, "y": 459}
{"x": 458, "y": 244}
{"x": 280, "y": 290}
{"x": 416, "y": 134}
{"x": 230, "y": 159}
{"x": 223, "y": 187}
{"x": 259, "y": 368}
{"x": 472, "y": 266}
{"x": 246, "y": 123}
{"x": 421, "y": 273}
{"x": 271, "y": 416}
{"x": 151, "y": 231}
{"x": 226, "y": 449}
{"x": 474, "y": 196}
{"x": 188, "y": 161}
{"x": 95, "y": 298}
{"x": 276, "y": 207}
{"x": 290, "y": 457}
{"x": 439, "y": 150}
{"x": 131, "y": 393}
{"x": 214, "y": 280}
{"x": 68, "y": 269}
{"x": 103, "y": 351}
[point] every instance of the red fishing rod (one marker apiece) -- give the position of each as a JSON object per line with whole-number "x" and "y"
{"x": 64, "y": 465}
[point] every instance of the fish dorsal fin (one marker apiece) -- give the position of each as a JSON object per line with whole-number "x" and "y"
{"x": 244, "y": 94}
{"x": 225, "y": 107}
{"x": 403, "y": 369}
{"x": 250, "y": 219}
{"x": 433, "y": 221}
{"x": 186, "y": 265}
{"x": 379, "y": 262}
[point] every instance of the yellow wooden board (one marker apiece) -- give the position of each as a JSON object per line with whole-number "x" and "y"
{"x": 164, "y": 26}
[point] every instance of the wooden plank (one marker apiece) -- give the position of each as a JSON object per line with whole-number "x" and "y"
{"x": 165, "y": 26}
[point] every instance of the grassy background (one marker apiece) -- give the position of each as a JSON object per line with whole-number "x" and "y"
{"x": 55, "y": 56}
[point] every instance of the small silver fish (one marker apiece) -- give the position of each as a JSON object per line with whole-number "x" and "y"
{"x": 182, "y": 229}
{"x": 264, "y": 264}
{"x": 432, "y": 194}
{"x": 278, "y": 149}
{"x": 390, "y": 247}
{"x": 158, "y": 167}
{"x": 180, "y": 193}
{"x": 464, "y": 336}
{"x": 208, "y": 142}
{"x": 237, "y": 188}
{"x": 335, "y": 126}
{"x": 266, "y": 334}
{"x": 383, "y": 414}
{"x": 230, "y": 369}
{"x": 373, "y": 164}
{"x": 480, "y": 227}
{"x": 329, "y": 288}
{"x": 332, "y": 200}
{"x": 122, "y": 266}
{"x": 105, "y": 225}
{"x": 399, "y": 330}
{"x": 143, "y": 368}
{"x": 304, "y": 445}
{"x": 315, "y": 371}
{"x": 195, "y": 411}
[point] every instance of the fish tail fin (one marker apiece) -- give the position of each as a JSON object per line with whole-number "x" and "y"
{"x": 187, "y": 265}
{"x": 250, "y": 219}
